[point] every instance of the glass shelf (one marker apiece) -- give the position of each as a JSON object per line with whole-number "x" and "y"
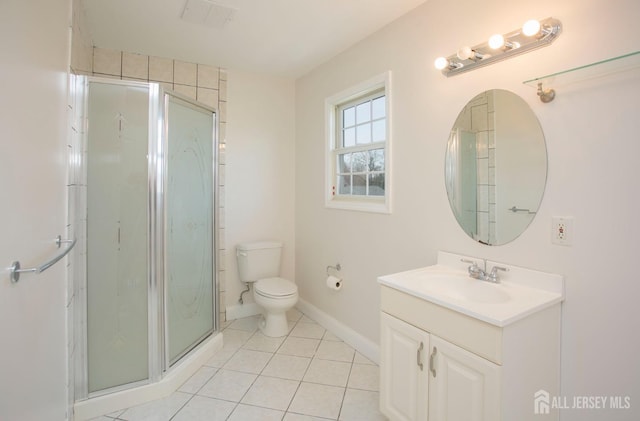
{"x": 598, "y": 69}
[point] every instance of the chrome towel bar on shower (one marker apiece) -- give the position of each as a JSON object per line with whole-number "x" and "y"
{"x": 15, "y": 271}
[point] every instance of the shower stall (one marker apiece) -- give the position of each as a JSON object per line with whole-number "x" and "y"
{"x": 461, "y": 173}
{"x": 145, "y": 277}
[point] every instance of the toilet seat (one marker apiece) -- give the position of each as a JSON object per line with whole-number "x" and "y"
{"x": 275, "y": 288}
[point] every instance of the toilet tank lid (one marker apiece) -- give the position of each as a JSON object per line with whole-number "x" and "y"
{"x": 259, "y": 245}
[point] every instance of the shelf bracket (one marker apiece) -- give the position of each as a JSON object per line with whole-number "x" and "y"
{"x": 546, "y": 95}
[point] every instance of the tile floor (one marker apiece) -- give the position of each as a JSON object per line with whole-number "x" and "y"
{"x": 308, "y": 375}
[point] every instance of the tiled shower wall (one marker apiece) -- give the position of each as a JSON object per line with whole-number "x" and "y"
{"x": 206, "y": 84}
{"x": 482, "y": 123}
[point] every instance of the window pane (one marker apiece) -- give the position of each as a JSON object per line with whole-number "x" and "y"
{"x": 379, "y": 130}
{"x": 359, "y": 185}
{"x": 376, "y": 160}
{"x": 364, "y": 133}
{"x": 363, "y": 112}
{"x": 359, "y": 162}
{"x": 376, "y": 184}
{"x": 344, "y": 184}
{"x": 378, "y": 108}
{"x": 349, "y": 117}
{"x": 359, "y": 166}
{"x": 349, "y": 137}
{"x": 344, "y": 163}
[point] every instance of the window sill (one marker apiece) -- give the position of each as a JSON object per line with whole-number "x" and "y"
{"x": 360, "y": 206}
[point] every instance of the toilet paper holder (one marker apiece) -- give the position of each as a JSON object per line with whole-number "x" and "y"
{"x": 336, "y": 268}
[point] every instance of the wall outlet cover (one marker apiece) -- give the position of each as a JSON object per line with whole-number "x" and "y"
{"x": 562, "y": 230}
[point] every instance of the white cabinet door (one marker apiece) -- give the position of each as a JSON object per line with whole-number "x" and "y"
{"x": 404, "y": 370}
{"x": 462, "y": 385}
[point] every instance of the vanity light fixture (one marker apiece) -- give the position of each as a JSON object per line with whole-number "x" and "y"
{"x": 533, "y": 34}
{"x": 442, "y": 63}
{"x": 497, "y": 41}
{"x": 467, "y": 53}
{"x": 531, "y": 27}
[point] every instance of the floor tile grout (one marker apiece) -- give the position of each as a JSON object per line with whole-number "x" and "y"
{"x": 323, "y": 349}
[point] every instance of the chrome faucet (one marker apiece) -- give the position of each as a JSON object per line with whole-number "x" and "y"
{"x": 493, "y": 275}
{"x": 477, "y": 273}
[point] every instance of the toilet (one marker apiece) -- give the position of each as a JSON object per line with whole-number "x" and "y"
{"x": 259, "y": 264}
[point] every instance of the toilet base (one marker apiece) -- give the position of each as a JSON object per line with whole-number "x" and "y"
{"x": 274, "y": 325}
{"x": 274, "y": 310}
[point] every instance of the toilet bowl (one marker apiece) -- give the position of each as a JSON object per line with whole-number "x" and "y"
{"x": 276, "y": 296}
{"x": 259, "y": 264}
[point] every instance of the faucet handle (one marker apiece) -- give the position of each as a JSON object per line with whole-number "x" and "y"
{"x": 493, "y": 276}
{"x": 474, "y": 269}
{"x": 473, "y": 263}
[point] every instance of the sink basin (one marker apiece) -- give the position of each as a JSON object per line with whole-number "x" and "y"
{"x": 459, "y": 286}
{"x": 448, "y": 284}
{"x": 485, "y": 293}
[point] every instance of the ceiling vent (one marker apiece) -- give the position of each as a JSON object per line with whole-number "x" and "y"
{"x": 204, "y": 12}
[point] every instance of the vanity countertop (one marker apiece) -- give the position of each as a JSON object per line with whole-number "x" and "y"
{"x": 522, "y": 292}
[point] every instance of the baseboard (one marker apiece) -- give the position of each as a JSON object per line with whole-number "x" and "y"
{"x": 363, "y": 345}
{"x": 105, "y": 404}
{"x": 243, "y": 310}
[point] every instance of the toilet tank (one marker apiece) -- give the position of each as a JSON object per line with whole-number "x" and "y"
{"x": 258, "y": 260}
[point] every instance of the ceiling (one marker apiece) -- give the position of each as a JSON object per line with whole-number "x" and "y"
{"x": 279, "y": 37}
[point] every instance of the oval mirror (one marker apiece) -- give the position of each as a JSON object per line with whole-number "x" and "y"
{"x": 495, "y": 167}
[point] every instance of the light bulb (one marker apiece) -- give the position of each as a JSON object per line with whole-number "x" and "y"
{"x": 496, "y": 41}
{"x": 441, "y": 63}
{"x": 465, "y": 53}
{"x": 531, "y": 27}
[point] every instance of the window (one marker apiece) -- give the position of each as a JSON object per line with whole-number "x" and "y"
{"x": 358, "y": 164}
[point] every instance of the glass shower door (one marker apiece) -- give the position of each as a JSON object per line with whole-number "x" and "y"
{"x": 117, "y": 238}
{"x": 461, "y": 174}
{"x": 189, "y": 231}
{"x": 468, "y": 182}
{"x": 150, "y": 241}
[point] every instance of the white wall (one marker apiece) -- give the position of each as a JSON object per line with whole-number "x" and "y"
{"x": 34, "y": 43}
{"x": 260, "y": 179}
{"x": 591, "y": 132}
{"x": 521, "y": 172}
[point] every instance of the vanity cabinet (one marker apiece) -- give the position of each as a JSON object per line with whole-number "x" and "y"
{"x": 438, "y": 364}
{"x": 404, "y": 379}
{"x": 463, "y": 386}
{"x": 425, "y": 377}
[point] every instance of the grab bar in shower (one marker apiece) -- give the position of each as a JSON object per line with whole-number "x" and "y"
{"x": 15, "y": 271}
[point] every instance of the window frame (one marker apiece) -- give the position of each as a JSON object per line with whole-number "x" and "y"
{"x": 380, "y": 84}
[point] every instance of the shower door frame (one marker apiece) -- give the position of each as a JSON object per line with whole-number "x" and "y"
{"x": 166, "y": 363}
{"x": 158, "y": 361}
